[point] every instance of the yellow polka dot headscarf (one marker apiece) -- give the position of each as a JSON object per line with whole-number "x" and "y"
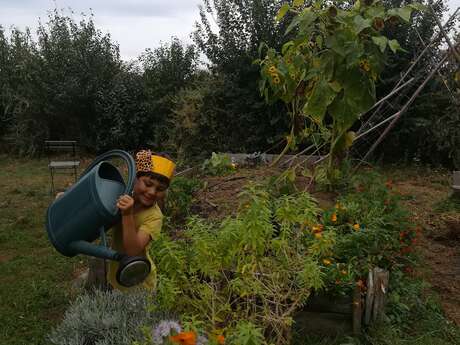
{"x": 148, "y": 162}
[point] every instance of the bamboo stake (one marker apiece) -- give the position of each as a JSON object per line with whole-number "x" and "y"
{"x": 404, "y": 108}
{"x": 434, "y": 39}
{"x": 439, "y": 73}
{"x": 444, "y": 33}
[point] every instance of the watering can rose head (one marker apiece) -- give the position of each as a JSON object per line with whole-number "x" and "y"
{"x": 154, "y": 173}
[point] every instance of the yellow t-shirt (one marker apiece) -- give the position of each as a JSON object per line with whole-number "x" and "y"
{"x": 148, "y": 221}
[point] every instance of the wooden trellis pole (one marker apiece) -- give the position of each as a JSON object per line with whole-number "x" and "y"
{"x": 400, "y": 113}
{"x": 424, "y": 51}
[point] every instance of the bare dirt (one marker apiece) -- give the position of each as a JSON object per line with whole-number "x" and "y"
{"x": 424, "y": 193}
{"x": 221, "y": 195}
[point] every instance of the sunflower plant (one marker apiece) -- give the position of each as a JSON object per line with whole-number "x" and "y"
{"x": 326, "y": 73}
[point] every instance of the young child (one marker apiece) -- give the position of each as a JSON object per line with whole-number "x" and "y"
{"x": 141, "y": 216}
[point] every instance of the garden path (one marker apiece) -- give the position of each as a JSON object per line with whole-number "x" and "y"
{"x": 425, "y": 195}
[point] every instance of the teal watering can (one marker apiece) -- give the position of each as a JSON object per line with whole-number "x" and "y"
{"x": 88, "y": 209}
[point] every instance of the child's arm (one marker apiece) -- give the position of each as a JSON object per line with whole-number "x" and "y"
{"x": 134, "y": 241}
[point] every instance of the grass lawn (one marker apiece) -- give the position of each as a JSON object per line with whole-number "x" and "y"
{"x": 35, "y": 280}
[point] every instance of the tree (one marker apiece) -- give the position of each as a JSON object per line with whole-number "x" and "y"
{"x": 167, "y": 69}
{"x": 76, "y": 62}
{"x": 49, "y": 86}
{"x": 229, "y": 34}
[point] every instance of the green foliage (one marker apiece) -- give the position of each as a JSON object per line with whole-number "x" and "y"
{"x": 246, "y": 334}
{"x": 167, "y": 69}
{"x": 180, "y": 198}
{"x": 451, "y": 204}
{"x": 240, "y": 118}
{"x": 280, "y": 247}
{"x": 426, "y": 133}
{"x": 218, "y": 164}
{"x": 253, "y": 267}
{"x": 366, "y": 228}
{"x": 326, "y": 74}
{"x": 221, "y": 112}
{"x": 71, "y": 84}
{"x": 104, "y": 318}
{"x": 49, "y": 86}
{"x": 123, "y": 118}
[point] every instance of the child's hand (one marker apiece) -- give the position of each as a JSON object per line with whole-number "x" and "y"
{"x": 125, "y": 203}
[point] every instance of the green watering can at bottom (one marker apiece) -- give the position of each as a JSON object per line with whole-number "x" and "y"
{"x": 88, "y": 209}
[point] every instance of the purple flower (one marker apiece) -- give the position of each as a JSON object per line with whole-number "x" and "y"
{"x": 164, "y": 329}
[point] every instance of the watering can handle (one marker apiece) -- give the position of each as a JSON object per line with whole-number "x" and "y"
{"x": 117, "y": 154}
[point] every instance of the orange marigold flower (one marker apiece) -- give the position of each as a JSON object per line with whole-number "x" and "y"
{"x": 184, "y": 338}
{"x": 220, "y": 339}
{"x": 334, "y": 217}
{"x": 327, "y": 262}
{"x": 356, "y": 227}
{"x": 318, "y": 235}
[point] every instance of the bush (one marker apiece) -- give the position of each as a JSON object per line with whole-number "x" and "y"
{"x": 104, "y": 318}
{"x": 180, "y": 198}
{"x": 253, "y": 267}
{"x": 218, "y": 164}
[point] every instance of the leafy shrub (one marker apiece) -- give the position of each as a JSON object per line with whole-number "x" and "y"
{"x": 104, "y": 318}
{"x": 123, "y": 119}
{"x": 180, "y": 198}
{"x": 253, "y": 267}
{"x": 369, "y": 229}
{"x": 247, "y": 334}
{"x": 218, "y": 164}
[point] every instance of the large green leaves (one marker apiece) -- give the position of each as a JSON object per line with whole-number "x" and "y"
{"x": 394, "y": 46}
{"x": 304, "y": 21}
{"x": 357, "y": 97}
{"x": 404, "y": 13}
{"x": 360, "y": 24}
{"x": 322, "y": 96}
{"x": 381, "y": 42}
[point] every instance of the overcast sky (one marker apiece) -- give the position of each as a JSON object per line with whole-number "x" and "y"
{"x": 134, "y": 24}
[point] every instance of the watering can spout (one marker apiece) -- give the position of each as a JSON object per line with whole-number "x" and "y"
{"x": 98, "y": 251}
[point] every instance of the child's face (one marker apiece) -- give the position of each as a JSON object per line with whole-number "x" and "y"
{"x": 148, "y": 190}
